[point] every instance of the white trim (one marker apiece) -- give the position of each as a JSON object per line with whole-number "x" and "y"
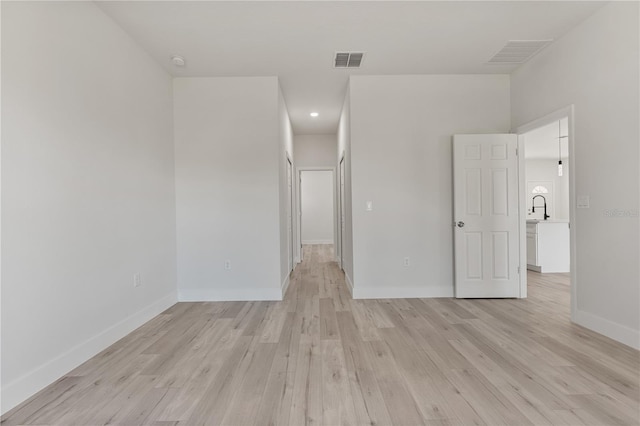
{"x": 613, "y": 330}
{"x": 338, "y": 248}
{"x": 317, "y": 242}
{"x": 347, "y": 279}
{"x": 569, "y": 113}
{"x": 230, "y": 294}
{"x": 291, "y": 237}
{"x": 24, "y": 387}
{"x": 522, "y": 211}
{"x": 402, "y": 292}
{"x": 1, "y": 222}
{"x": 285, "y": 285}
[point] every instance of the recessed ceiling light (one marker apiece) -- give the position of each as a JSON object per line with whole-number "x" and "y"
{"x": 178, "y": 61}
{"x": 314, "y": 114}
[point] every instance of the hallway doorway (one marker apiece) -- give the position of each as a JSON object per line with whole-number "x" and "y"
{"x": 317, "y": 208}
{"x": 547, "y": 202}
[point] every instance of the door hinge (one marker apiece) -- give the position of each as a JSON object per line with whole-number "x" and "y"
{"x": 516, "y": 152}
{"x": 518, "y": 270}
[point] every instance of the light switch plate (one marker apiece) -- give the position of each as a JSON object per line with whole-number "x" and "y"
{"x": 369, "y": 206}
{"x": 583, "y": 202}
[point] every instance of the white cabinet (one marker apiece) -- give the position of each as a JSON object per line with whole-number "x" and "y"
{"x": 532, "y": 249}
{"x": 548, "y": 246}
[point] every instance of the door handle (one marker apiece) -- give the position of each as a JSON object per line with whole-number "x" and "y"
{"x": 460, "y": 224}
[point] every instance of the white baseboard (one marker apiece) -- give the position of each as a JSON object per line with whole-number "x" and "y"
{"x": 24, "y": 387}
{"x": 613, "y": 330}
{"x": 285, "y": 285}
{"x": 401, "y": 292}
{"x": 229, "y": 295}
{"x": 317, "y": 241}
{"x": 349, "y": 283}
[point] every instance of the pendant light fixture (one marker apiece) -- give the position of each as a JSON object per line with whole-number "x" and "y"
{"x": 560, "y": 150}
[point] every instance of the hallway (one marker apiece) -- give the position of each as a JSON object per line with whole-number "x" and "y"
{"x": 319, "y": 357}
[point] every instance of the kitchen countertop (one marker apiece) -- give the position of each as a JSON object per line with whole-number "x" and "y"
{"x": 547, "y": 221}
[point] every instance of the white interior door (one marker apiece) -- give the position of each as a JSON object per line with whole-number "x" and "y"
{"x": 487, "y": 246}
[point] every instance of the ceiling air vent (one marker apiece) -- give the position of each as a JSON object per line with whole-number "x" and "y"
{"x": 518, "y": 51}
{"x": 348, "y": 59}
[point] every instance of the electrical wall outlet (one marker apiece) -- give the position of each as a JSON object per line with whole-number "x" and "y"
{"x": 406, "y": 262}
{"x": 137, "y": 280}
{"x": 227, "y": 265}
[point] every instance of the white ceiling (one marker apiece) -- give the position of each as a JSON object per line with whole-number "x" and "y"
{"x": 296, "y": 40}
{"x": 542, "y": 143}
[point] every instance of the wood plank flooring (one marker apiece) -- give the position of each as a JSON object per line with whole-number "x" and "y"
{"x": 320, "y": 358}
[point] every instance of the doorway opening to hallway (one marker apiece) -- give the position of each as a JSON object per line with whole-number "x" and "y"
{"x": 317, "y": 210}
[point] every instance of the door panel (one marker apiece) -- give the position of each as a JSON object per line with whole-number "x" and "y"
{"x": 500, "y": 255}
{"x": 473, "y": 192}
{"x": 499, "y": 192}
{"x": 473, "y": 242}
{"x": 486, "y": 216}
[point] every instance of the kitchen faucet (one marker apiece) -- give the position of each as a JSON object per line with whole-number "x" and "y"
{"x": 533, "y": 206}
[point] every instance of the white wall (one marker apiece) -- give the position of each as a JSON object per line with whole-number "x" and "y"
{"x": 315, "y": 150}
{"x": 547, "y": 170}
{"x": 595, "y": 67}
{"x": 344, "y": 152}
{"x": 401, "y": 132}
{"x": 287, "y": 199}
{"x": 317, "y": 206}
{"x": 87, "y": 190}
{"x": 228, "y": 184}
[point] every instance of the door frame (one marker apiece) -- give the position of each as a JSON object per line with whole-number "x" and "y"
{"x": 299, "y": 171}
{"x": 339, "y": 208}
{"x": 291, "y": 224}
{"x": 568, "y": 113}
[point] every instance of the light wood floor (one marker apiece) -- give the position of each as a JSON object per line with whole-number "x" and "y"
{"x": 321, "y": 358}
